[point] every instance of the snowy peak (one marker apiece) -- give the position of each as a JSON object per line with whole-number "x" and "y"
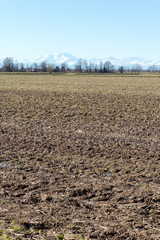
{"x": 56, "y": 59}
{"x": 71, "y": 61}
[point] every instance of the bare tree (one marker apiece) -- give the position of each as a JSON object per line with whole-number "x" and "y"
{"x": 57, "y": 69}
{"x": 21, "y": 67}
{"x": 49, "y": 68}
{"x": 27, "y": 68}
{"x": 43, "y": 66}
{"x": 86, "y": 67}
{"x": 91, "y": 66}
{"x": 63, "y": 67}
{"x": 35, "y": 67}
{"x": 136, "y": 68}
{"x": 78, "y": 66}
{"x": 152, "y": 68}
{"x": 8, "y": 64}
{"x": 108, "y": 67}
{"x": 101, "y": 67}
{"x": 121, "y": 69}
{"x": 96, "y": 68}
{"x": 16, "y": 67}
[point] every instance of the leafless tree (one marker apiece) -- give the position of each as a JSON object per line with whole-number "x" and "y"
{"x": 49, "y": 68}
{"x": 21, "y": 67}
{"x": 78, "y": 66}
{"x": 43, "y": 66}
{"x": 35, "y": 67}
{"x": 101, "y": 67}
{"x": 137, "y": 68}
{"x": 86, "y": 67}
{"x": 63, "y": 67}
{"x": 121, "y": 69}
{"x": 8, "y": 65}
{"x": 108, "y": 67}
{"x": 152, "y": 68}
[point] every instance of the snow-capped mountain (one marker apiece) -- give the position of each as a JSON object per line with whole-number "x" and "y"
{"x": 56, "y": 59}
{"x": 71, "y": 61}
{"x": 129, "y": 62}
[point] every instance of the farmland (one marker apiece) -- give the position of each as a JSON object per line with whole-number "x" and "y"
{"x": 79, "y": 156}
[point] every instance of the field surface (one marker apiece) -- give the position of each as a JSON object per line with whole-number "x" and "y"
{"x": 79, "y": 157}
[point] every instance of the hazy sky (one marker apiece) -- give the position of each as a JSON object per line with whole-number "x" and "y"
{"x": 84, "y": 28}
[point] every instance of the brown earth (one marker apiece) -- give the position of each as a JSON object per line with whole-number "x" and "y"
{"x": 84, "y": 165}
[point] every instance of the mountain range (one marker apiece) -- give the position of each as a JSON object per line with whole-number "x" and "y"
{"x": 71, "y": 61}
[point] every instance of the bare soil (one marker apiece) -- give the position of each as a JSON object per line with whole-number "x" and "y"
{"x": 83, "y": 165}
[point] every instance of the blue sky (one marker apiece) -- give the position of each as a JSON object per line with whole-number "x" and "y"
{"x": 84, "y": 28}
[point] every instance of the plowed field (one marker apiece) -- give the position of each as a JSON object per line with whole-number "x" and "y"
{"x": 79, "y": 157}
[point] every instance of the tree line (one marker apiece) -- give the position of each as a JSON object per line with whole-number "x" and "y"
{"x": 82, "y": 66}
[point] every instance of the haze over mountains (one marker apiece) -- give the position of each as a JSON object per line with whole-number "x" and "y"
{"x": 71, "y": 61}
